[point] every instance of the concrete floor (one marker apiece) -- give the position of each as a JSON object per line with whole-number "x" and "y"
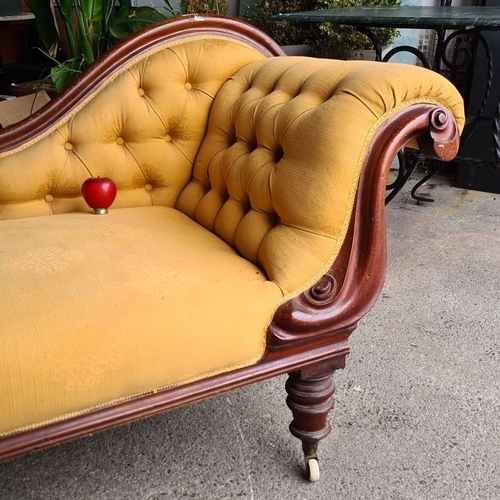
{"x": 418, "y": 406}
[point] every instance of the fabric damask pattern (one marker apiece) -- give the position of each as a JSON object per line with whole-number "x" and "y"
{"x": 94, "y": 360}
{"x": 132, "y": 232}
{"x": 45, "y": 260}
{"x": 121, "y": 282}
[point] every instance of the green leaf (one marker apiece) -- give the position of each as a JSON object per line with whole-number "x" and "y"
{"x": 128, "y": 20}
{"x": 94, "y": 10}
{"x": 86, "y": 24}
{"x": 45, "y": 23}
{"x": 63, "y": 74}
{"x": 66, "y": 8}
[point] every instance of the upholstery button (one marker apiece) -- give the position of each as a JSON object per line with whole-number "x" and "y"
{"x": 68, "y": 146}
{"x": 120, "y": 140}
{"x": 49, "y": 198}
{"x": 141, "y": 91}
{"x": 168, "y": 138}
{"x": 148, "y": 187}
{"x": 188, "y": 86}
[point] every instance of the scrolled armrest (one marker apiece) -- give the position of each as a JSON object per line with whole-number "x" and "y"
{"x": 352, "y": 284}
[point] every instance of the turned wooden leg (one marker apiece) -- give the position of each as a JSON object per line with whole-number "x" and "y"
{"x": 310, "y": 397}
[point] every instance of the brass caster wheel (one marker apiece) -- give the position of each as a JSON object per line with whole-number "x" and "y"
{"x": 312, "y": 469}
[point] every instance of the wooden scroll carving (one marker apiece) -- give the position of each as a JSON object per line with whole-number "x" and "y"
{"x": 334, "y": 305}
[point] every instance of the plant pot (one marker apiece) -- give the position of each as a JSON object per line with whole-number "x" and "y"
{"x": 28, "y": 88}
{"x": 13, "y": 40}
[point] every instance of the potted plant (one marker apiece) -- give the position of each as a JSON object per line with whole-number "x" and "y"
{"x": 341, "y": 42}
{"x": 200, "y": 7}
{"x": 326, "y": 39}
{"x": 76, "y": 32}
{"x": 286, "y": 33}
{"x": 86, "y": 28}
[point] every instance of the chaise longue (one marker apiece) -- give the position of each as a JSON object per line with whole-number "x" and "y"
{"x": 246, "y": 240}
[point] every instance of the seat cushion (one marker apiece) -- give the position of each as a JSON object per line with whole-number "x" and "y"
{"x": 98, "y": 309}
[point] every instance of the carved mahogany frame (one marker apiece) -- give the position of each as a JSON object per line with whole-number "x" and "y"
{"x": 309, "y": 335}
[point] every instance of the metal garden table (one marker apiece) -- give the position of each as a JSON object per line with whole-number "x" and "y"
{"x": 462, "y": 21}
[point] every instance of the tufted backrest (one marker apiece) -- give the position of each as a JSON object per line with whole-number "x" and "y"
{"x": 274, "y": 175}
{"x": 277, "y": 173}
{"x": 142, "y": 127}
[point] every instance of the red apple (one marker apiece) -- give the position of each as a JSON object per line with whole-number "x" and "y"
{"x": 99, "y": 193}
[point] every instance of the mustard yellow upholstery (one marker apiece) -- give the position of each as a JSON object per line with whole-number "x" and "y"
{"x": 212, "y": 227}
{"x": 100, "y": 309}
{"x": 277, "y": 173}
{"x": 142, "y": 129}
